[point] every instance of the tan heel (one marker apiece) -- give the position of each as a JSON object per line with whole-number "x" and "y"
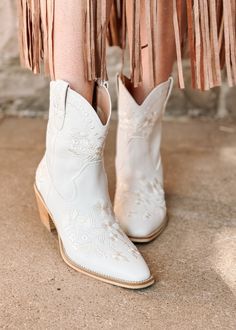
{"x": 43, "y": 212}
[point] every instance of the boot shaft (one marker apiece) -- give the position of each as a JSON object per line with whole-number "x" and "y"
{"x": 75, "y": 141}
{"x": 74, "y": 126}
{"x": 139, "y": 130}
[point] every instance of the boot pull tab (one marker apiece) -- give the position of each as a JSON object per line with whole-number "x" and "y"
{"x": 59, "y": 103}
{"x": 171, "y": 81}
{"x": 117, "y": 82}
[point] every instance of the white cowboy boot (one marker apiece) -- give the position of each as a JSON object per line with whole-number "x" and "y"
{"x": 72, "y": 192}
{"x": 139, "y": 200}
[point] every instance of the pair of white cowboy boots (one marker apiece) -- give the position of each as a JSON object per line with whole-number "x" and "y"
{"x": 71, "y": 184}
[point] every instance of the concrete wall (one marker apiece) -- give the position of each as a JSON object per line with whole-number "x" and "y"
{"x": 25, "y": 94}
{"x": 20, "y": 90}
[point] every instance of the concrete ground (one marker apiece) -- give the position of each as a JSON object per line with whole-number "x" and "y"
{"x": 194, "y": 260}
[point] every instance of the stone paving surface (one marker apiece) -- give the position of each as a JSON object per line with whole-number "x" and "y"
{"x": 194, "y": 260}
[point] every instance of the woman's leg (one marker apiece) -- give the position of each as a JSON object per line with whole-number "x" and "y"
{"x": 69, "y": 44}
{"x": 71, "y": 183}
{"x": 166, "y": 52}
{"x": 69, "y": 31}
{"x": 140, "y": 204}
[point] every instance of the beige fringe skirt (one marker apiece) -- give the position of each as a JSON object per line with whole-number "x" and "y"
{"x": 209, "y": 39}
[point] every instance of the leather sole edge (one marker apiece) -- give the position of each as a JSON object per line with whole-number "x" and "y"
{"x": 152, "y": 236}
